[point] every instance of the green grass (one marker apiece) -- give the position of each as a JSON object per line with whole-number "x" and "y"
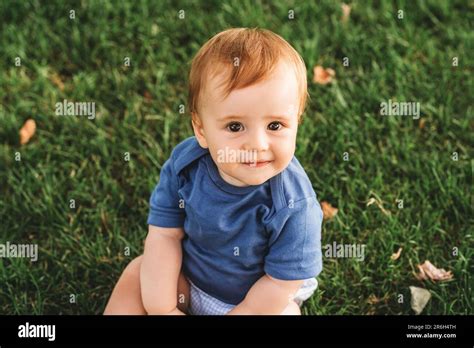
{"x": 81, "y": 250}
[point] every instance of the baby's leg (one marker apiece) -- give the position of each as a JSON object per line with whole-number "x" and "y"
{"x": 292, "y": 309}
{"x": 126, "y": 297}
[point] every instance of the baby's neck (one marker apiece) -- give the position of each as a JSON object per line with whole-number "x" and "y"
{"x": 231, "y": 180}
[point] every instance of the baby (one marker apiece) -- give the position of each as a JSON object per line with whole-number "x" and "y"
{"x": 234, "y": 223}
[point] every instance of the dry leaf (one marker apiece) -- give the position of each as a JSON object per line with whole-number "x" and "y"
{"x": 54, "y": 77}
{"x": 397, "y": 254}
{"x": 419, "y": 298}
{"x": 346, "y": 11}
{"x": 373, "y": 299}
{"x": 323, "y": 76}
{"x": 328, "y": 210}
{"x": 27, "y": 131}
{"x": 148, "y": 97}
{"x": 429, "y": 271}
{"x": 421, "y": 125}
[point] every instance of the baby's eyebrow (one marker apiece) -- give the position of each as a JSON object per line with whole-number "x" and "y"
{"x": 278, "y": 117}
{"x": 239, "y": 117}
{"x": 233, "y": 117}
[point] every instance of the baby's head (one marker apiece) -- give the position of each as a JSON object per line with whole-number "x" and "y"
{"x": 247, "y": 92}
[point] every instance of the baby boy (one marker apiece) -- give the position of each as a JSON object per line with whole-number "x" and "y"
{"x": 234, "y": 223}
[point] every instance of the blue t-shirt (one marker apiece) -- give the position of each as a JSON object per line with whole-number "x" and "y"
{"x": 234, "y": 235}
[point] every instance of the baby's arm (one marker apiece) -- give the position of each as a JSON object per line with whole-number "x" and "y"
{"x": 160, "y": 269}
{"x": 268, "y": 296}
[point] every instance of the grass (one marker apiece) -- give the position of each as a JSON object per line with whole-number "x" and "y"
{"x": 81, "y": 250}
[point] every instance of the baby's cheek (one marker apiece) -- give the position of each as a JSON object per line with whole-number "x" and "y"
{"x": 282, "y": 161}
{"x": 285, "y": 154}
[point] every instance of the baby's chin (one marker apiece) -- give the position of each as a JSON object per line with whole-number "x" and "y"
{"x": 256, "y": 178}
{"x": 254, "y": 181}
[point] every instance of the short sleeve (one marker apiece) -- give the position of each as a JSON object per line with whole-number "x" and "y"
{"x": 295, "y": 242}
{"x": 165, "y": 210}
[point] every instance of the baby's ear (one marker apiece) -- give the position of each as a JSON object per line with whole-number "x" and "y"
{"x": 199, "y": 130}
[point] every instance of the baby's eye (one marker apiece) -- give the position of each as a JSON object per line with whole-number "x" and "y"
{"x": 274, "y": 126}
{"x": 235, "y": 127}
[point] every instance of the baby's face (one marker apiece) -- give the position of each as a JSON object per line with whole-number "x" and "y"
{"x": 251, "y": 134}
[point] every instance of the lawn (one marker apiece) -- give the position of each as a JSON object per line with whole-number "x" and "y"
{"x": 418, "y": 170}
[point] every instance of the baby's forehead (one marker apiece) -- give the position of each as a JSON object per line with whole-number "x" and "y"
{"x": 280, "y": 84}
{"x": 275, "y": 96}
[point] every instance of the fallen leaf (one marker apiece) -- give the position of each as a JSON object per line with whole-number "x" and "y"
{"x": 373, "y": 299}
{"x": 346, "y": 11}
{"x": 397, "y": 254}
{"x": 54, "y": 77}
{"x": 328, "y": 210}
{"x": 421, "y": 125}
{"x": 27, "y": 131}
{"x": 148, "y": 97}
{"x": 429, "y": 271}
{"x": 419, "y": 298}
{"x": 323, "y": 76}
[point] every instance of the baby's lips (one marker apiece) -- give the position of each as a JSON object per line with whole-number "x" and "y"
{"x": 256, "y": 162}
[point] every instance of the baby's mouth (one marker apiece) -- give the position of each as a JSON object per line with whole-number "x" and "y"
{"x": 257, "y": 164}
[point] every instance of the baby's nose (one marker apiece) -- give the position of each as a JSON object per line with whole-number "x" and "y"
{"x": 257, "y": 141}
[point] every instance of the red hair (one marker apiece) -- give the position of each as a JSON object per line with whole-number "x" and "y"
{"x": 247, "y": 56}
